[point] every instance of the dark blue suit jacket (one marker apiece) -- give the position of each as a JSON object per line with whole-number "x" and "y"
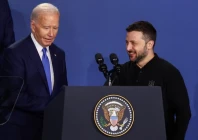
{"x": 22, "y": 59}
{"x": 6, "y": 26}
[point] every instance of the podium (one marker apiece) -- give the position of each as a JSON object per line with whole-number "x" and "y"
{"x": 74, "y": 114}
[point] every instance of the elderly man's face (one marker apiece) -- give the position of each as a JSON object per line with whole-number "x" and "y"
{"x": 45, "y": 28}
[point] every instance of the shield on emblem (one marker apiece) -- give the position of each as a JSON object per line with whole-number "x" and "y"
{"x": 114, "y": 120}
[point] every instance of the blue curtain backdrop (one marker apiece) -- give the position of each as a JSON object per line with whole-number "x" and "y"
{"x": 89, "y": 26}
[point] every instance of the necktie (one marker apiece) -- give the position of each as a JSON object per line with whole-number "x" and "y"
{"x": 46, "y": 66}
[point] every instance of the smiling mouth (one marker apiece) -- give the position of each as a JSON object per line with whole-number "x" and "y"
{"x": 131, "y": 53}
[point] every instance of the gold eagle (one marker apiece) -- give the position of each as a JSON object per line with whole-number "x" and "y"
{"x": 120, "y": 114}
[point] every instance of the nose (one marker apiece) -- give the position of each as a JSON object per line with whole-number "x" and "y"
{"x": 129, "y": 47}
{"x": 51, "y": 32}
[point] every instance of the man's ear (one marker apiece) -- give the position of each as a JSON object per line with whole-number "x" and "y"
{"x": 150, "y": 44}
{"x": 32, "y": 25}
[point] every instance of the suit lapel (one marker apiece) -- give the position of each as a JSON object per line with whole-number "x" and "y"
{"x": 33, "y": 53}
{"x": 54, "y": 63}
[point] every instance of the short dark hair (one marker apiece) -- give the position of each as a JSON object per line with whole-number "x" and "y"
{"x": 146, "y": 28}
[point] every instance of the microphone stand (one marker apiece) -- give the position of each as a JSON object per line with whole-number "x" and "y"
{"x": 109, "y": 79}
{"x": 106, "y": 73}
{"x": 115, "y": 69}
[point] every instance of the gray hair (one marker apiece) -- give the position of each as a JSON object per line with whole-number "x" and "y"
{"x": 43, "y": 8}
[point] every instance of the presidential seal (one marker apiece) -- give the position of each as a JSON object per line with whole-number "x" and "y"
{"x": 114, "y": 115}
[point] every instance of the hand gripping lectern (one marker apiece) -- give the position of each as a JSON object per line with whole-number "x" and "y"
{"x": 103, "y": 113}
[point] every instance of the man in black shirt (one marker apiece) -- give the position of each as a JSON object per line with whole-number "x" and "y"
{"x": 146, "y": 68}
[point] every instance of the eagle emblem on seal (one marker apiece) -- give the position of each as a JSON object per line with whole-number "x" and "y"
{"x": 114, "y": 115}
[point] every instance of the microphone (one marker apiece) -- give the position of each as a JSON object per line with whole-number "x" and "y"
{"x": 114, "y": 60}
{"x": 99, "y": 58}
{"x": 102, "y": 67}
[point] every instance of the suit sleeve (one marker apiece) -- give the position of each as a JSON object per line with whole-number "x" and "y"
{"x": 12, "y": 64}
{"x": 13, "y": 74}
{"x": 178, "y": 96}
{"x": 9, "y": 36}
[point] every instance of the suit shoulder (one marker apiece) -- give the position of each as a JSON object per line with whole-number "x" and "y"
{"x": 18, "y": 45}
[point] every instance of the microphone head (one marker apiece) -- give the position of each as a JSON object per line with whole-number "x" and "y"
{"x": 114, "y": 59}
{"x": 99, "y": 58}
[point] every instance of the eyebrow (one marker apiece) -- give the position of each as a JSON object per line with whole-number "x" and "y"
{"x": 131, "y": 41}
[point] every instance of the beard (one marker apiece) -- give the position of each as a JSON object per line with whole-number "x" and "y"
{"x": 139, "y": 56}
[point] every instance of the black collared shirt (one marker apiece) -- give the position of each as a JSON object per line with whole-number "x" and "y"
{"x": 159, "y": 72}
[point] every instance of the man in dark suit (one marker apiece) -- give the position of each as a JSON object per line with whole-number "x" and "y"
{"x": 6, "y": 27}
{"x": 42, "y": 66}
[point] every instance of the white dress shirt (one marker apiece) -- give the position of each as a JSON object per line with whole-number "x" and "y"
{"x": 39, "y": 49}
